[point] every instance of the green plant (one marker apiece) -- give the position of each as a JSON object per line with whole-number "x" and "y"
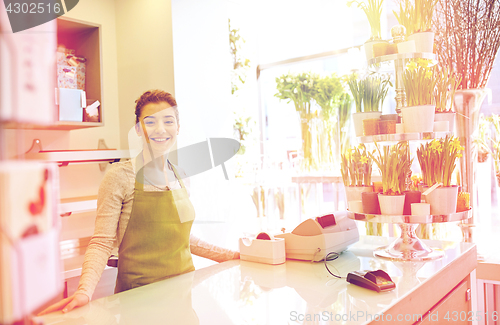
{"x": 373, "y": 11}
{"x": 416, "y": 15}
{"x": 369, "y": 92}
{"x": 328, "y": 90}
{"x": 243, "y": 126}
{"x": 447, "y": 84}
{"x": 437, "y": 160}
{"x": 344, "y": 118}
{"x": 419, "y": 83}
{"x": 394, "y": 162}
{"x": 300, "y": 89}
{"x": 404, "y": 17}
{"x": 375, "y": 90}
{"x": 240, "y": 65}
{"x": 356, "y": 87}
{"x": 356, "y": 166}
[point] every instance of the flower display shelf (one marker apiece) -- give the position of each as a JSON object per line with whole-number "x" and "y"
{"x": 408, "y": 247}
{"x": 396, "y": 137}
{"x": 402, "y": 56}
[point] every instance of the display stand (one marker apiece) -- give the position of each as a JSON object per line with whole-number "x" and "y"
{"x": 408, "y": 247}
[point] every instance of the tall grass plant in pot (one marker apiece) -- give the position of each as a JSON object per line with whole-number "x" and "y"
{"x": 437, "y": 161}
{"x": 394, "y": 162}
{"x": 416, "y": 16}
{"x": 447, "y": 83}
{"x": 327, "y": 93}
{"x": 373, "y": 11}
{"x": 419, "y": 84}
{"x": 369, "y": 94}
{"x": 300, "y": 89}
{"x": 356, "y": 171}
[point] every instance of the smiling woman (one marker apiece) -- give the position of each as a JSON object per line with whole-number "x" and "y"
{"x": 143, "y": 209}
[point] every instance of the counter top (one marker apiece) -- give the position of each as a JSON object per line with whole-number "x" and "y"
{"x": 240, "y": 292}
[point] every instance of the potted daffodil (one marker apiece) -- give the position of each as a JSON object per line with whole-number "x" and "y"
{"x": 419, "y": 84}
{"x": 394, "y": 163}
{"x": 437, "y": 161}
{"x": 356, "y": 171}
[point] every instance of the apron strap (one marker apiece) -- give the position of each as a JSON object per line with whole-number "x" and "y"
{"x": 176, "y": 174}
{"x": 139, "y": 180}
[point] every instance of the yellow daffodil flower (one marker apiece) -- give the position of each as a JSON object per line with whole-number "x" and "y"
{"x": 428, "y": 74}
{"x": 412, "y": 66}
{"x": 364, "y": 159}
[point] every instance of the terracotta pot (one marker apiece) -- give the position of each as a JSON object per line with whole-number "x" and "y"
{"x": 370, "y": 202}
{"x": 391, "y": 49}
{"x": 379, "y": 49}
{"x": 369, "y": 48}
{"x": 387, "y": 127}
{"x": 378, "y": 187}
{"x": 391, "y": 204}
{"x": 418, "y": 119}
{"x": 371, "y": 126}
{"x": 358, "y": 118}
{"x": 411, "y": 197}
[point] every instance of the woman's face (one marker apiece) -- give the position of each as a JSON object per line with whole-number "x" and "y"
{"x": 160, "y": 126}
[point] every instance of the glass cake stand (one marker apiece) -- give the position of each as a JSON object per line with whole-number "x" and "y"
{"x": 408, "y": 247}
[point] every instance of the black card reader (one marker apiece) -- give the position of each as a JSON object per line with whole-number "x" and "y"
{"x": 378, "y": 280}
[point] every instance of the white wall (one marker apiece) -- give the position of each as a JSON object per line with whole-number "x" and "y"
{"x": 145, "y": 58}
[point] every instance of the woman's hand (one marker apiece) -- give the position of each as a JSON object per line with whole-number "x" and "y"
{"x": 76, "y": 300}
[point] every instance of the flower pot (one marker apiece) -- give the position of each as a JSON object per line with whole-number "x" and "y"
{"x": 380, "y": 49}
{"x": 369, "y": 48}
{"x": 371, "y": 126}
{"x": 443, "y": 200}
{"x": 392, "y": 49}
{"x": 370, "y": 202}
{"x": 378, "y": 187}
{"x": 400, "y": 128}
{"x": 420, "y": 209}
{"x": 446, "y": 116}
{"x": 424, "y": 41}
{"x": 355, "y": 206}
{"x": 411, "y": 197}
{"x": 384, "y": 117}
{"x": 358, "y": 120}
{"x": 407, "y": 47}
{"x": 353, "y": 193}
{"x": 441, "y": 126}
{"x": 387, "y": 127}
{"x": 463, "y": 201}
{"x": 391, "y": 204}
{"x": 418, "y": 119}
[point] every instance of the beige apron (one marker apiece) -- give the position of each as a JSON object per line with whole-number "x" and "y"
{"x": 155, "y": 245}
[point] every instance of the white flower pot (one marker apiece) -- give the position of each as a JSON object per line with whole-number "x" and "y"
{"x": 358, "y": 120}
{"x": 424, "y": 41}
{"x": 353, "y": 193}
{"x": 418, "y": 119}
{"x": 441, "y": 126}
{"x": 391, "y": 204}
{"x": 407, "y": 47}
{"x": 443, "y": 200}
{"x": 446, "y": 116}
